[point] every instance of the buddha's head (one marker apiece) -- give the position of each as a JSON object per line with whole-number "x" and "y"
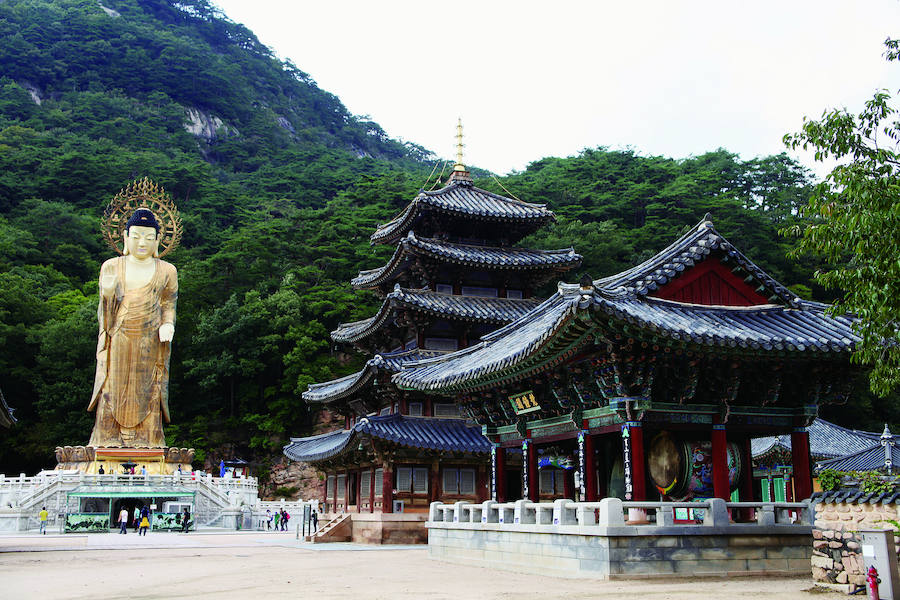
{"x": 142, "y": 235}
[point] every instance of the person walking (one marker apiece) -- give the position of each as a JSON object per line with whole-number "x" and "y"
{"x": 315, "y": 520}
{"x": 186, "y": 520}
{"x": 123, "y": 520}
{"x": 43, "y": 516}
{"x": 144, "y": 470}
{"x": 145, "y": 520}
{"x": 269, "y": 518}
{"x": 100, "y": 471}
{"x": 284, "y": 520}
{"x": 137, "y": 518}
{"x": 277, "y": 519}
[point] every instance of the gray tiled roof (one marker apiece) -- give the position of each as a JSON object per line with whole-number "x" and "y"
{"x": 426, "y": 433}
{"x": 351, "y": 384}
{"x": 826, "y": 440}
{"x": 799, "y": 327}
{"x": 855, "y": 495}
{"x": 467, "y": 308}
{"x": 463, "y": 199}
{"x": 881, "y": 454}
{"x": 490, "y": 257}
{"x": 688, "y": 250}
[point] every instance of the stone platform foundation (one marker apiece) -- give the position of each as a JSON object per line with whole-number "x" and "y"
{"x": 592, "y": 539}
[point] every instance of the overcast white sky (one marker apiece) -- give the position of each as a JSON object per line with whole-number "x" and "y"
{"x": 535, "y": 79}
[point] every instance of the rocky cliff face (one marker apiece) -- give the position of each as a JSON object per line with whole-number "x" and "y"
{"x": 304, "y": 477}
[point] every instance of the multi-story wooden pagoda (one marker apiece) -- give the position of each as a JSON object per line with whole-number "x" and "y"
{"x": 455, "y": 276}
{"x": 650, "y": 383}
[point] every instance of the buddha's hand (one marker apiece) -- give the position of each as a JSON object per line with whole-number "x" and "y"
{"x": 108, "y": 284}
{"x": 166, "y": 332}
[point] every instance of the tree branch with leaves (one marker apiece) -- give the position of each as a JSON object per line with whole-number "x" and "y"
{"x": 854, "y": 224}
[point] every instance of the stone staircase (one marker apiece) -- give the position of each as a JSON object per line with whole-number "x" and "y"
{"x": 338, "y": 529}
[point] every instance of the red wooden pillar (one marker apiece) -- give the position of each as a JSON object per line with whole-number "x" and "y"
{"x": 434, "y": 485}
{"x": 359, "y": 491}
{"x": 747, "y": 483}
{"x": 590, "y": 470}
{"x": 801, "y": 462}
{"x": 746, "y": 494}
{"x": 568, "y": 484}
{"x": 530, "y": 471}
{"x": 635, "y": 445}
{"x": 498, "y": 493}
{"x": 481, "y": 484}
{"x": 372, "y": 491}
{"x": 720, "y": 462}
{"x": 325, "y": 493}
{"x": 387, "y": 489}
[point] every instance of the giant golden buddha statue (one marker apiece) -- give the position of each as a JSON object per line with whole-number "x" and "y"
{"x": 137, "y": 322}
{"x": 136, "y": 315}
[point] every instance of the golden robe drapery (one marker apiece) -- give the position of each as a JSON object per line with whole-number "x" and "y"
{"x": 131, "y": 386}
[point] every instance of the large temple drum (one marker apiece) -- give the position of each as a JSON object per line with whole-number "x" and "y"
{"x": 682, "y": 469}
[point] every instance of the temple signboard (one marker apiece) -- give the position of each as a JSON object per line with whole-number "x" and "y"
{"x": 524, "y": 402}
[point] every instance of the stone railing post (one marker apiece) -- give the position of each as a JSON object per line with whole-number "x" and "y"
{"x": 665, "y": 515}
{"x": 611, "y": 513}
{"x": 522, "y": 515}
{"x": 585, "y": 515}
{"x": 458, "y": 510}
{"x": 563, "y": 514}
{"x": 765, "y": 515}
{"x": 489, "y": 512}
{"x": 717, "y": 513}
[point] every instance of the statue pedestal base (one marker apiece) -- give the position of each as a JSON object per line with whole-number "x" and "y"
{"x": 158, "y": 461}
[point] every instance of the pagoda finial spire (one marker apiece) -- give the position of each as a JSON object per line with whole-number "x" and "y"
{"x": 459, "y": 166}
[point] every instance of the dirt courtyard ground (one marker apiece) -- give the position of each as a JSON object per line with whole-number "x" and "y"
{"x": 275, "y": 565}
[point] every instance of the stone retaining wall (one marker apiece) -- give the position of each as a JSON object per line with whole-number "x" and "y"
{"x": 624, "y": 557}
{"x": 836, "y": 556}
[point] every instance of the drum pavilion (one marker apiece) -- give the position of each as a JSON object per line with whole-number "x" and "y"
{"x": 455, "y": 275}
{"x": 650, "y": 383}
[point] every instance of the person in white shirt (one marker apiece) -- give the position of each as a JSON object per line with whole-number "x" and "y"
{"x": 123, "y": 520}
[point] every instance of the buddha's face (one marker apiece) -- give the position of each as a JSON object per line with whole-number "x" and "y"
{"x": 141, "y": 242}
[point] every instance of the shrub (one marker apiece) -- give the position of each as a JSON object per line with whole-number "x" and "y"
{"x": 830, "y": 479}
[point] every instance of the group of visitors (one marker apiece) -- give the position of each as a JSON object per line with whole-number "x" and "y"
{"x": 277, "y": 521}
{"x": 130, "y": 470}
{"x": 141, "y": 520}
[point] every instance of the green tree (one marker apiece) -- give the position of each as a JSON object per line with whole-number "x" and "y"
{"x": 855, "y": 224}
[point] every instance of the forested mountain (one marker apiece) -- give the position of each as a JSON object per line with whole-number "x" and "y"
{"x": 280, "y": 188}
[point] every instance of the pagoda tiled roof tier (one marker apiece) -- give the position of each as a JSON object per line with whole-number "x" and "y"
{"x": 691, "y": 248}
{"x": 344, "y": 387}
{"x": 468, "y": 308}
{"x": 575, "y": 314}
{"x": 6, "y": 413}
{"x": 490, "y": 257}
{"x": 826, "y": 440}
{"x": 461, "y": 198}
{"x": 426, "y": 433}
